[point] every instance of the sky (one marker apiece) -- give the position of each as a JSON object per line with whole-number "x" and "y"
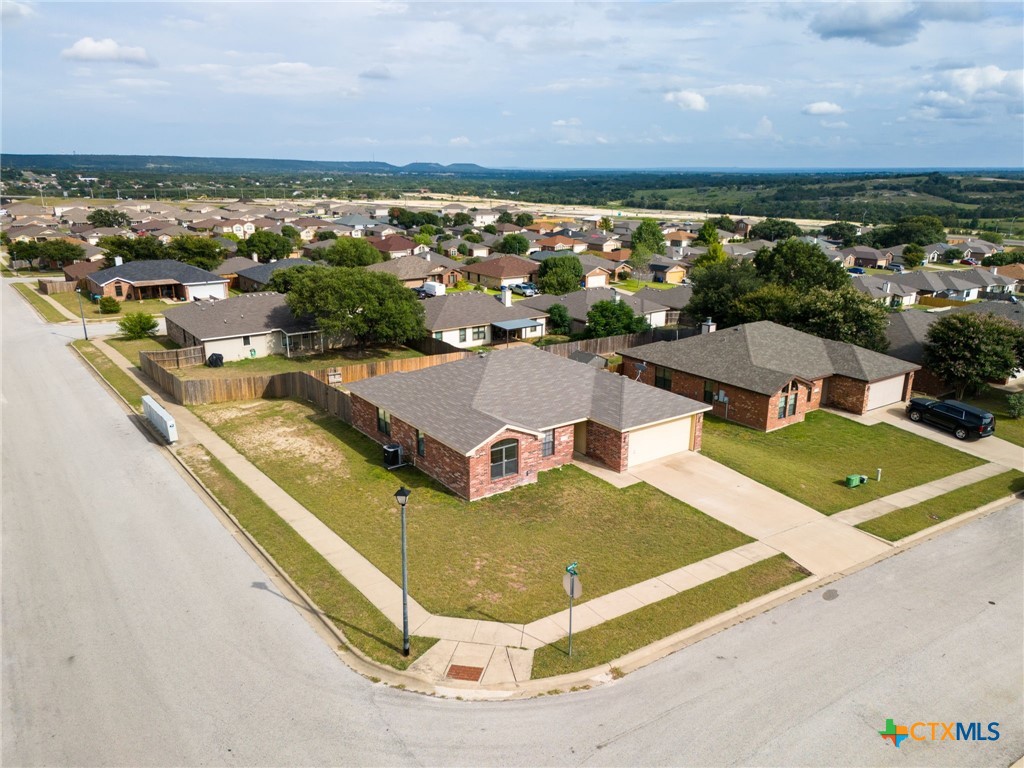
{"x": 522, "y": 85}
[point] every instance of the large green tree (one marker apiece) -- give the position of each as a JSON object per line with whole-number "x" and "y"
{"x": 200, "y": 252}
{"x": 560, "y": 274}
{"x": 649, "y": 235}
{"x": 613, "y": 318}
{"x": 266, "y": 245}
{"x": 716, "y": 288}
{"x": 774, "y": 229}
{"x": 842, "y": 315}
{"x": 778, "y": 303}
{"x": 714, "y": 254}
{"x": 640, "y": 259}
{"x": 108, "y": 217}
{"x": 800, "y": 265}
{"x": 523, "y": 219}
{"x": 708, "y": 234}
{"x": 369, "y": 307}
{"x": 843, "y": 231}
{"x": 913, "y": 256}
{"x": 132, "y": 248}
{"x": 513, "y": 243}
{"x": 283, "y": 279}
{"x": 558, "y": 320}
{"x": 966, "y": 350}
{"x": 351, "y": 252}
{"x": 57, "y": 252}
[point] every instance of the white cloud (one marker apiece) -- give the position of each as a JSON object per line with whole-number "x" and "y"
{"x": 379, "y": 72}
{"x": 740, "y": 89}
{"x": 690, "y": 100}
{"x": 88, "y": 49}
{"x": 567, "y": 122}
{"x": 460, "y": 141}
{"x": 822, "y": 108}
{"x": 12, "y": 11}
{"x": 892, "y": 23}
{"x": 987, "y": 81}
{"x": 834, "y": 124}
{"x": 763, "y": 130}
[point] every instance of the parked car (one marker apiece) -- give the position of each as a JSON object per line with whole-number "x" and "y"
{"x": 970, "y": 262}
{"x": 961, "y": 419}
{"x": 524, "y": 289}
{"x": 857, "y": 271}
{"x": 898, "y": 268}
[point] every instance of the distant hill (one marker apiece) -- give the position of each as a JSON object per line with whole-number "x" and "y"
{"x": 235, "y": 165}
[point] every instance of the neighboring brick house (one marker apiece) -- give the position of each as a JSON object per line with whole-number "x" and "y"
{"x": 471, "y": 319}
{"x": 250, "y": 325}
{"x": 157, "y": 279}
{"x": 490, "y": 423}
{"x": 415, "y": 270}
{"x": 597, "y": 270}
{"x": 562, "y": 243}
{"x": 256, "y": 277}
{"x": 501, "y": 270}
{"x": 767, "y": 376}
{"x": 864, "y": 256}
{"x": 396, "y": 246}
{"x": 230, "y": 268}
{"x": 77, "y": 271}
{"x": 578, "y": 304}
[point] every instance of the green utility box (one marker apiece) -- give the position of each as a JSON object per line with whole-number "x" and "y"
{"x": 852, "y": 481}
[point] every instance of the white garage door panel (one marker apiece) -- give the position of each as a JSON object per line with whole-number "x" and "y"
{"x": 214, "y": 290}
{"x": 661, "y": 440}
{"x": 885, "y": 392}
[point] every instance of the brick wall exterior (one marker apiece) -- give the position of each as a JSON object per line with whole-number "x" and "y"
{"x": 848, "y": 394}
{"x": 698, "y": 431}
{"x": 744, "y": 407}
{"x": 466, "y": 476}
{"x": 927, "y": 382}
{"x": 608, "y": 446}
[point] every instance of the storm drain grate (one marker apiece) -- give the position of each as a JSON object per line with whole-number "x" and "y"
{"x": 460, "y": 672}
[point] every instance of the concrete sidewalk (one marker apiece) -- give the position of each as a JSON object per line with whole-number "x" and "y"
{"x": 481, "y": 653}
{"x": 911, "y": 496}
{"x": 822, "y": 545}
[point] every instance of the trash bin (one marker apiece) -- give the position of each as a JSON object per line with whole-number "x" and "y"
{"x": 216, "y": 360}
{"x": 852, "y": 481}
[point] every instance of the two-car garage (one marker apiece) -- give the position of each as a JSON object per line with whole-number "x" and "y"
{"x": 885, "y": 392}
{"x": 660, "y": 440}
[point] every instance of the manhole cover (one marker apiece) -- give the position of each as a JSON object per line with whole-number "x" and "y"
{"x": 460, "y": 672}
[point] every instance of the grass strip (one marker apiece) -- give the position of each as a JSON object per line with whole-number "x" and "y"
{"x": 364, "y": 626}
{"x": 49, "y": 312}
{"x": 124, "y": 384}
{"x": 901, "y": 523}
{"x": 613, "y": 639}
{"x": 810, "y": 460}
{"x": 130, "y": 348}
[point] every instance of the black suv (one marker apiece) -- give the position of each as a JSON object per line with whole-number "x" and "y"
{"x": 961, "y": 419}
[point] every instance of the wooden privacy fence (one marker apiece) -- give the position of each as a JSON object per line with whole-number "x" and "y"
{"x": 610, "y": 345}
{"x": 185, "y": 357}
{"x": 315, "y": 386}
{"x": 49, "y": 287}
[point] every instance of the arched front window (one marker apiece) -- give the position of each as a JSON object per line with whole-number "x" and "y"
{"x": 504, "y": 459}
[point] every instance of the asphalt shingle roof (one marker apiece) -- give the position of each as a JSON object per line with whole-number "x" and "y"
{"x": 578, "y": 303}
{"x": 415, "y": 267}
{"x": 503, "y": 267}
{"x": 764, "y": 357}
{"x": 467, "y": 309}
{"x": 248, "y": 314}
{"x": 261, "y": 273}
{"x": 465, "y": 403}
{"x": 155, "y": 269}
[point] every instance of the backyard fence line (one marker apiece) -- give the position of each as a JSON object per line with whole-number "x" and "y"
{"x": 610, "y": 345}
{"x": 49, "y": 287}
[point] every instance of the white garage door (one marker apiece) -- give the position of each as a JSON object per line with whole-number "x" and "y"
{"x": 209, "y": 290}
{"x": 599, "y": 280}
{"x": 661, "y": 440}
{"x": 885, "y": 392}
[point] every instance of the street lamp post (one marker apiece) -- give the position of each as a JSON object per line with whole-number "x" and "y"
{"x": 81, "y": 311}
{"x": 402, "y": 497}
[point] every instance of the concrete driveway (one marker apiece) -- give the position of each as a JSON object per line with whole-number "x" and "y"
{"x": 993, "y": 449}
{"x": 821, "y": 545}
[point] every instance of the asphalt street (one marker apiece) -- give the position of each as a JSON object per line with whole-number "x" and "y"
{"x": 136, "y": 631}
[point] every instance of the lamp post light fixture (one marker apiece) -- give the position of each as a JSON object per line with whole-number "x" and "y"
{"x": 402, "y": 497}
{"x": 81, "y": 311}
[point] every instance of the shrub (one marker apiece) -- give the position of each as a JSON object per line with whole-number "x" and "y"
{"x": 1015, "y": 405}
{"x": 109, "y": 306}
{"x": 137, "y": 325}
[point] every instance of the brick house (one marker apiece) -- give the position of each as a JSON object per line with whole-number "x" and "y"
{"x": 490, "y": 423}
{"x": 157, "y": 279}
{"x": 415, "y": 270}
{"x": 471, "y": 319}
{"x": 501, "y": 270}
{"x": 256, "y": 277}
{"x": 767, "y": 376}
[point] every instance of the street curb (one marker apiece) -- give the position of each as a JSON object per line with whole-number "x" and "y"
{"x": 584, "y": 679}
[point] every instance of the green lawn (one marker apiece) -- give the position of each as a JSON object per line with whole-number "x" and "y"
{"x": 634, "y": 285}
{"x": 903, "y": 522}
{"x": 260, "y": 366}
{"x": 49, "y": 312}
{"x": 92, "y": 311}
{"x": 363, "y": 625}
{"x": 994, "y": 401}
{"x": 130, "y": 348}
{"x": 613, "y": 639}
{"x": 125, "y": 385}
{"x": 499, "y": 558}
{"x": 809, "y": 461}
